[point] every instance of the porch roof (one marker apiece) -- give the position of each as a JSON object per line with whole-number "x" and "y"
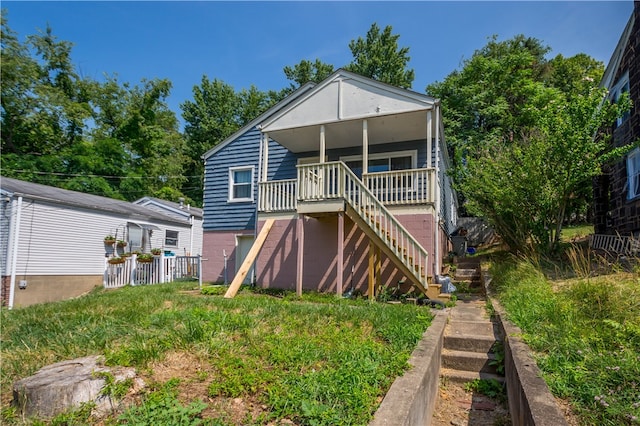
{"x": 340, "y": 104}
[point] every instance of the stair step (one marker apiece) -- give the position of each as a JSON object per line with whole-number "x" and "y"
{"x": 468, "y": 361}
{"x": 460, "y": 376}
{"x": 469, "y": 343}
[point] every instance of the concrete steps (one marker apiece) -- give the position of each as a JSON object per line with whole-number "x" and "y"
{"x": 470, "y": 337}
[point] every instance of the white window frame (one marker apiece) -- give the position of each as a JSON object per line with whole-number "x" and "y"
{"x": 413, "y": 153}
{"x": 232, "y": 171}
{"x": 633, "y": 174}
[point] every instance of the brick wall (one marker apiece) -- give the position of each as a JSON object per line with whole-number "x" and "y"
{"x": 613, "y": 212}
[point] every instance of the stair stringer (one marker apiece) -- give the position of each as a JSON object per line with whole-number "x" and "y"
{"x": 384, "y": 247}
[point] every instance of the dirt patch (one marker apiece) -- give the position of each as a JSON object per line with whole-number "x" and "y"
{"x": 196, "y": 375}
{"x": 458, "y": 407}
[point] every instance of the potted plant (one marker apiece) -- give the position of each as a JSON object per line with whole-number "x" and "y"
{"x": 127, "y": 254}
{"x": 117, "y": 260}
{"x": 144, "y": 258}
{"x": 109, "y": 239}
{"x": 122, "y": 243}
{"x": 156, "y": 251}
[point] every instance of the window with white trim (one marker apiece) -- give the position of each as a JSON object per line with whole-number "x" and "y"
{"x": 633, "y": 173}
{"x": 241, "y": 184}
{"x": 171, "y": 238}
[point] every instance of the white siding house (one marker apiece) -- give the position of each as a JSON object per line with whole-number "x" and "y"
{"x": 52, "y": 240}
{"x": 192, "y": 243}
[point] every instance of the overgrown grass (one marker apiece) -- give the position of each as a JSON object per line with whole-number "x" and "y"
{"x": 586, "y": 335}
{"x": 314, "y": 360}
{"x": 575, "y": 232}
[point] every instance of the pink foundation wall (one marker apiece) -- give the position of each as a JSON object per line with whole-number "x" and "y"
{"x": 214, "y": 242}
{"x": 276, "y": 264}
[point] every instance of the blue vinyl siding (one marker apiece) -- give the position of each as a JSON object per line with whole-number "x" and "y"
{"x": 221, "y": 215}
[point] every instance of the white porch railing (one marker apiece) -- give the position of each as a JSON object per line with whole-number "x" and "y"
{"x": 615, "y": 244}
{"x": 335, "y": 180}
{"x": 401, "y": 186}
{"x": 162, "y": 269}
{"x": 277, "y": 195}
{"x": 391, "y": 188}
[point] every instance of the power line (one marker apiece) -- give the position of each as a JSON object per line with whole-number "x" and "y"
{"x": 98, "y": 176}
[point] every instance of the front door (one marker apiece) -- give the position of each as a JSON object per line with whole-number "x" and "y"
{"x": 243, "y": 245}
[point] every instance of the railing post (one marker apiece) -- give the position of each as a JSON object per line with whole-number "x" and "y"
{"x": 200, "y": 272}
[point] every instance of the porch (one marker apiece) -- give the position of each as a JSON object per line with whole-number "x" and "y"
{"x": 333, "y": 189}
{"x": 323, "y": 182}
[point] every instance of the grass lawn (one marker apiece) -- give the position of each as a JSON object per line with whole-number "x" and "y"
{"x": 254, "y": 359}
{"x": 585, "y": 332}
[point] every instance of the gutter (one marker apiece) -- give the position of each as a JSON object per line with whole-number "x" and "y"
{"x": 16, "y": 205}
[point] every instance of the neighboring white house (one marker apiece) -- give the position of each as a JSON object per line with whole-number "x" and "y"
{"x": 52, "y": 240}
{"x": 192, "y": 246}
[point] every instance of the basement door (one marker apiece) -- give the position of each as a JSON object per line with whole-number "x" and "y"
{"x": 243, "y": 245}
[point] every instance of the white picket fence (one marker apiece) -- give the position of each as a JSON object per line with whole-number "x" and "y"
{"x": 163, "y": 269}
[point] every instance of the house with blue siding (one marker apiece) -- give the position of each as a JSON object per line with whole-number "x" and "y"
{"x": 342, "y": 186}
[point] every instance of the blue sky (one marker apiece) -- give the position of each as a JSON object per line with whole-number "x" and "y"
{"x": 245, "y": 43}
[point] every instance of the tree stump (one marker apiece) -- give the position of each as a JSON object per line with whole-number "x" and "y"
{"x": 64, "y": 386}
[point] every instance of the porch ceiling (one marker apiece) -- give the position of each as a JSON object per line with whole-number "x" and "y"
{"x": 406, "y": 126}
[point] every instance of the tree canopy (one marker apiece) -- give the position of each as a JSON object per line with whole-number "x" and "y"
{"x": 521, "y": 129}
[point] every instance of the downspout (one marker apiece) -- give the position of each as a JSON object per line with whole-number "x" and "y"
{"x": 264, "y": 138}
{"x": 436, "y": 239}
{"x": 191, "y": 221}
{"x": 17, "y": 207}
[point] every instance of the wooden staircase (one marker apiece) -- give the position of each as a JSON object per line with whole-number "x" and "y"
{"x": 336, "y": 181}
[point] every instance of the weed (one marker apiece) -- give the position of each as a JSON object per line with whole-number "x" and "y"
{"x": 498, "y": 361}
{"x": 161, "y": 407}
{"x": 113, "y": 388}
{"x": 488, "y": 387}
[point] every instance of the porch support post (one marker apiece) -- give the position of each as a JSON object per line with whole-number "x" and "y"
{"x": 371, "y": 271}
{"x": 429, "y": 137}
{"x": 378, "y": 268}
{"x": 436, "y": 241}
{"x": 323, "y": 147}
{"x": 265, "y": 157}
{"x": 299, "y": 264}
{"x": 340, "y": 266}
{"x": 365, "y": 147}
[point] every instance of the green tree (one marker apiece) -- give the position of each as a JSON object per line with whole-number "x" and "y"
{"x": 378, "y": 56}
{"x": 214, "y": 114}
{"x": 521, "y": 129}
{"x": 132, "y": 147}
{"x": 306, "y": 71}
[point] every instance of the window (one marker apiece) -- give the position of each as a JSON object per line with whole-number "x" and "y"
{"x": 620, "y": 88}
{"x": 633, "y": 173}
{"x": 402, "y": 160}
{"x": 241, "y": 184}
{"x": 171, "y": 238}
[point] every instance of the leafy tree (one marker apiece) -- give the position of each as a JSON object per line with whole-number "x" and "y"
{"x": 521, "y": 130}
{"x": 131, "y": 148}
{"x": 306, "y": 71}
{"x": 379, "y": 57}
